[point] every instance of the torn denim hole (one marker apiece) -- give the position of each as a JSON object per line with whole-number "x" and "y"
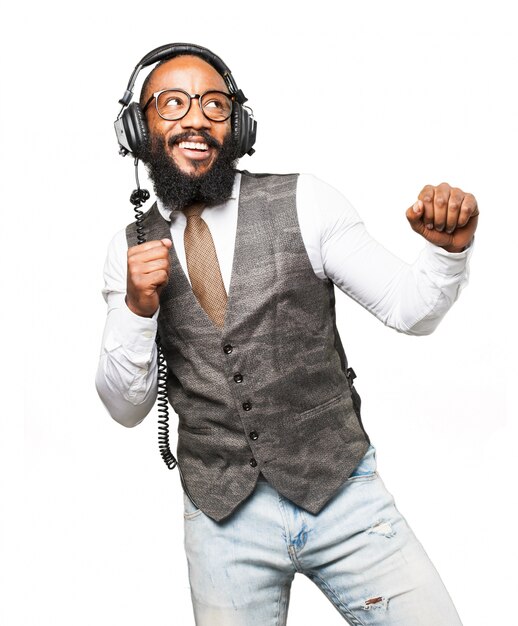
{"x": 382, "y": 527}
{"x": 375, "y": 603}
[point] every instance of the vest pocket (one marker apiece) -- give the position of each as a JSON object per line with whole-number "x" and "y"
{"x": 316, "y": 410}
{"x": 195, "y": 430}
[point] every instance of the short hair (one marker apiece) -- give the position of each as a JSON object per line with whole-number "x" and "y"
{"x": 145, "y": 84}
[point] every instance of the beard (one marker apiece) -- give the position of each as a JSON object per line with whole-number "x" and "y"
{"x": 178, "y": 190}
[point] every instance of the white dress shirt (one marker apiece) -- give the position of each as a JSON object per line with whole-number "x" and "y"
{"x": 411, "y": 298}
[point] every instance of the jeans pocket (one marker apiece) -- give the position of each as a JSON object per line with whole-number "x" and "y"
{"x": 190, "y": 510}
{"x": 366, "y": 468}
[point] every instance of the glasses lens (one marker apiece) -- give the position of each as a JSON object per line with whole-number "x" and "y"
{"x": 172, "y": 105}
{"x": 216, "y": 106}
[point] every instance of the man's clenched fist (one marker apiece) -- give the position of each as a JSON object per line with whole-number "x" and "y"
{"x": 148, "y": 273}
{"x": 446, "y": 216}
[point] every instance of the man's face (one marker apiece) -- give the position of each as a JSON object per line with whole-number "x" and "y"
{"x": 193, "y": 75}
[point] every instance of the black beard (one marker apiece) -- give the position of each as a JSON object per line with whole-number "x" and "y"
{"x": 178, "y": 190}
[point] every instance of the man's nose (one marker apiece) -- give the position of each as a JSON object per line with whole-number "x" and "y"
{"x": 195, "y": 117}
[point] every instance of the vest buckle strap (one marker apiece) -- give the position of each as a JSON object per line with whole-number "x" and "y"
{"x": 350, "y": 374}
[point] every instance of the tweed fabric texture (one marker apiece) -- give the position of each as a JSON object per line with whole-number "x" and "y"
{"x": 203, "y": 266}
{"x": 268, "y": 391}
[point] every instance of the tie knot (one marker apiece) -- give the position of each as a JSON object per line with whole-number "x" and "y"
{"x": 194, "y": 210}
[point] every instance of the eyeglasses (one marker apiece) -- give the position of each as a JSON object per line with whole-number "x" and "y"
{"x": 173, "y": 104}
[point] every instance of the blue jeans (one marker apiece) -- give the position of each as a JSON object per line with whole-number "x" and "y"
{"x": 358, "y": 550}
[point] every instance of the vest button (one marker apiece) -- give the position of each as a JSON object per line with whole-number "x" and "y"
{"x": 253, "y": 462}
{"x": 238, "y": 378}
{"x": 227, "y": 349}
{"x": 253, "y": 435}
{"x": 247, "y": 406}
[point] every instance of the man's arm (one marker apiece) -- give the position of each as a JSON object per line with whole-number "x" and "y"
{"x": 127, "y": 372}
{"x": 411, "y": 298}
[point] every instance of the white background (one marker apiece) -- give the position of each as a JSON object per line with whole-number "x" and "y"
{"x": 377, "y": 98}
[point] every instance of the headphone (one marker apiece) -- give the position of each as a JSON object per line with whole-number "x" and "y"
{"x": 131, "y": 127}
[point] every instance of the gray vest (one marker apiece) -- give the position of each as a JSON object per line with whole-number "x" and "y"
{"x": 269, "y": 392}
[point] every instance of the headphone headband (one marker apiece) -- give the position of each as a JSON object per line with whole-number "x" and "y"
{"x": 169, "y": 51}
{"x": 162, "y": 52}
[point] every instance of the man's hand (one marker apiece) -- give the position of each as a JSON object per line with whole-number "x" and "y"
{"x": 446, "y": 216}
{"x": 148, "y": 273}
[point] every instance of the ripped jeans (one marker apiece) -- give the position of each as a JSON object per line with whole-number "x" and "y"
{"x": 358, "y": 550}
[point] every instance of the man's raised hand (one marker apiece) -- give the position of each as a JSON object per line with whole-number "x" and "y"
{"x": 446, "y": 216}
{"x": 148, "y": 273}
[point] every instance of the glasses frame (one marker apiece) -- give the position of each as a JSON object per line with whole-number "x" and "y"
{"x": 197, "y": 96}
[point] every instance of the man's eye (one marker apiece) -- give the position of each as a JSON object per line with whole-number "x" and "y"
{"x": 215, "y": 104}
{"x": 173, "y": 102}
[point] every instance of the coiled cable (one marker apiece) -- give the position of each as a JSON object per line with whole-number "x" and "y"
{"x": 137, "y": 199}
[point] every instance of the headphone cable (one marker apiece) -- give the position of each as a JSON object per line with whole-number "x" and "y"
{"x": 137, "y": 199}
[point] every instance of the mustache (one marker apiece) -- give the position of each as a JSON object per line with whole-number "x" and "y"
{"x": 210, "y": 141}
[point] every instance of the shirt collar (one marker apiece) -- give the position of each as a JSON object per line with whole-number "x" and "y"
{"x": 165, "y": 212}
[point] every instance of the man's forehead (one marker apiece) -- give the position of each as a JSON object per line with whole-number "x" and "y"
{"x": 187, "y": 72}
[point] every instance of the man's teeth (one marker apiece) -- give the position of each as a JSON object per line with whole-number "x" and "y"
{"x": 193, "y": 145}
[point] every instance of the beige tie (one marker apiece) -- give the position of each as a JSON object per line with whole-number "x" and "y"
{"x": 203, "y": 266}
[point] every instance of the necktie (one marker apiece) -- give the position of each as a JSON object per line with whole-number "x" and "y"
{"x": 203, "y": 267}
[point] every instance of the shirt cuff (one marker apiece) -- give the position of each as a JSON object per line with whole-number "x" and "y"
{"x": 135, "y": 334}
{"x": 447, "y": 263}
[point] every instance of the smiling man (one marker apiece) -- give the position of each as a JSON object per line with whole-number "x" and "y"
{"x": 237, "y": 276}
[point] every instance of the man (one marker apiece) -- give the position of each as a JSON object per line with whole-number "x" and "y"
{"x": 278, "y": 472}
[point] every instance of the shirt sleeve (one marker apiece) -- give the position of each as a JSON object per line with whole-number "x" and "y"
{"x": 126, "y": 378}
{"x": 410, "y": 297}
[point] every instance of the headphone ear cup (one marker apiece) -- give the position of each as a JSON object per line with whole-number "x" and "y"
{"x": 236, "y": 128}
{"x": 251, "y": 132}
{"x": 135, "y": 126}
{"x": 244, "y": 128}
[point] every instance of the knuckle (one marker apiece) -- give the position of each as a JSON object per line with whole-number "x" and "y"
{"x": 161, "y": 276}
{"x": 470, "y": 199}
{"x": 426, "y": 193}
{"x": 458, "y": 194}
